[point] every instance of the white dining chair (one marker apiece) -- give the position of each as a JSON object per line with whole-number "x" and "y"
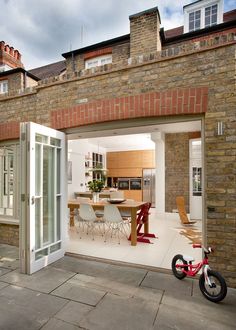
{"x": 114, "y": 221}
{"x": 81, "y": 224}
{"x": 126, "y": 216}
{"x": 89, "y": 217}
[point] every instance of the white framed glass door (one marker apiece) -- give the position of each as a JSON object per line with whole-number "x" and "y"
{"x": 43, "y": 196}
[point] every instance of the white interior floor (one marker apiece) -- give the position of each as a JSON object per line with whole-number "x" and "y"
{"x": 173, "y": 238}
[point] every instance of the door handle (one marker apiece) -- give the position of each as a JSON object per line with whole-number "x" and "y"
{"x": 32, "y": 200}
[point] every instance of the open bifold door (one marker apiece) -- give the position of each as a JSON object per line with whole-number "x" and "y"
{"x": 43, "y": 196}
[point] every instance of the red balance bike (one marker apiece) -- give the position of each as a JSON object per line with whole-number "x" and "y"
{"x": 211, "y": 283}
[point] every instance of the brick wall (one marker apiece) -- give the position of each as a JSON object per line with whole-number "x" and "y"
{"x": 15, "y": 83}
{"x": 9, "y": 234}
{"x": 177, "y": 168}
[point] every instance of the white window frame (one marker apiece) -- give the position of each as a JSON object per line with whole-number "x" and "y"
{"x": 3, "y": 86}
{"x": 98, "y": 61}
{"x": 202, "y": 5}
{"x": 14, "y": 218}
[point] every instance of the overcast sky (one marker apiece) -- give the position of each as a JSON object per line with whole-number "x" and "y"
{"x": 44, "y": 29}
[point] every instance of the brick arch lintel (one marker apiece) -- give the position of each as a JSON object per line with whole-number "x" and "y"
{"x": 181, "y": 101}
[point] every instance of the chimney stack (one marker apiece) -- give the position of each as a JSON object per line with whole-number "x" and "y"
{"x": 10, "y": 56}
{"x": 145, "y": 32}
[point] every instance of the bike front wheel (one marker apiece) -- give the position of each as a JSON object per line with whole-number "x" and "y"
{"x": 178, "y": 271}
{"x": 218, "y": 288}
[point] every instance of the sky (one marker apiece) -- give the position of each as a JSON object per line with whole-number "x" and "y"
{"x": 44, "y": 29}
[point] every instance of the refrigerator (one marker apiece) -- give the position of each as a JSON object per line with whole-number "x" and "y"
{"x": 149, "y": 185}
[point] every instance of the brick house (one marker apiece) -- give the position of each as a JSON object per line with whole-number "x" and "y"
{"x": 149, "y": 76}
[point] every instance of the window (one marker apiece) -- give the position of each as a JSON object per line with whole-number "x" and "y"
{"x": 197, "y": 181}
{"x": 97, "y": 162}
{"x": 9, "y": 191}
{"x": 194, "y": 20}
{"x": 202, "y": 14}
{"x": 211, "y": 16}
{"x": 3, "y": 86}
{"x": 98, "y": 61}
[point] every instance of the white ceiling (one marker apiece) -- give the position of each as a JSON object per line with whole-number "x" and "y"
{"x": 128, "y": 139}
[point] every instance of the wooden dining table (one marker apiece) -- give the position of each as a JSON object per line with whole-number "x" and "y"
{"x": 131, "y": 206}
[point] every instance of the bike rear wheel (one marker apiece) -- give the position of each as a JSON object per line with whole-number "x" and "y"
{"x": 178, "y": 271}
{"x": 218, "y": 290}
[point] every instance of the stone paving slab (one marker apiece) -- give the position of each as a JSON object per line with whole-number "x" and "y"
{"x": 173, "y": 318}
{"x": 116, "y": 313}
{"x": 4, "y": 271}
{"x": 9, "y": 256}
{"x": 74, "y": 291}
{"x": 55, "y": 324}
{"x": 122, "y": 274}
{"x": 73, "y": 312}
{"x": 24, "y": 309}
{"x": 116, "y": 288}
{"x": 8, "y": 263}
{"x": 168, "y": 283}
{"x": 82, "y": 266}
{"x": 44, "y": 280}
{"x": 9, "y": 251}
{"x": 199, "y": 308}
{"x": 3, "y": 285}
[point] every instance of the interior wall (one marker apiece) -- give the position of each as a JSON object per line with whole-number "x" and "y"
{"x": 78, "y": 150}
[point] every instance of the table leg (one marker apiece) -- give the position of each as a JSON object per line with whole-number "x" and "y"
{"x": 72, "y": 220}
{"x": 133, "y": 226}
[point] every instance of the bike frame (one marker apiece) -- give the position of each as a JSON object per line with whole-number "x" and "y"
{"x": 193, "y": 269}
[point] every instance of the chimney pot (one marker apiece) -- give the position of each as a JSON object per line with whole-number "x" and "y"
{"x": 7, "y": 48}
{"x": 2, "y": 45}
{"x": 12, "y": 51}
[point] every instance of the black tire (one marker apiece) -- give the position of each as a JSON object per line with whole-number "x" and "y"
{"x": 178, "y": 272}
{"x": 218, "y": 292}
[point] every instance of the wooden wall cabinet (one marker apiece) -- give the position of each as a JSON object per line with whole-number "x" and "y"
{"x": 129, "y": 163}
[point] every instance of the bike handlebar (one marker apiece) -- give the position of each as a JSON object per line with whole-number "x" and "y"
{"x": 197, "y": 246}
{"x": 206, "y": 250}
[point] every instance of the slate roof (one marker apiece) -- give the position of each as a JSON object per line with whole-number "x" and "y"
{"x": 50, "y": 70}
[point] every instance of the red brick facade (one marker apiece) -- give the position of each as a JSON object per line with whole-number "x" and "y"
{"x": 9, "y": 131}
{"x": 100, "y": 52}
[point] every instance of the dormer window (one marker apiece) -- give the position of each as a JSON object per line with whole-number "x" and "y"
{"x": 98, "y": 61}
{"x": 202, "y": 14}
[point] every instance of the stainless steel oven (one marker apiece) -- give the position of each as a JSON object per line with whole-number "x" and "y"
{"x": 135, "y": 183}
{"x": 123, "y": 184}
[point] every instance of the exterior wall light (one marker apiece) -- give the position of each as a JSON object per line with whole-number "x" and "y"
{"x": 220, "y": 128}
